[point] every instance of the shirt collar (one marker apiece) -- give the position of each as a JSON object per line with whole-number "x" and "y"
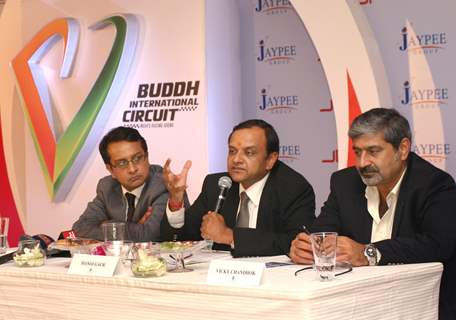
{"x": 255, "y": 190}
{"x": 136, "y": 192}
{"x": 372, "y": 192}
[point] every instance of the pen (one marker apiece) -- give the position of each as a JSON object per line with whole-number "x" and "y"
{"x": 305, "y": 230}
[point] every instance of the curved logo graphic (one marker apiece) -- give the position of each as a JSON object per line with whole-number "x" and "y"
{"x": 62, "y": 155}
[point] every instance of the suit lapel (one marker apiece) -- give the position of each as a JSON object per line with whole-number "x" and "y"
{"x": 403, "y": 195}
{"x": 357, "y": 213}
{"x": 230, "y": 206}
{"x": 363, "y": 220}
{"x": 266, "y": 204}
{"x": 118, "y": 203}
{"x": 142, "y": 204}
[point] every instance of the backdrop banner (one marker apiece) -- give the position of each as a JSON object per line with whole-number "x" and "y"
{"x": 72, "y": 71}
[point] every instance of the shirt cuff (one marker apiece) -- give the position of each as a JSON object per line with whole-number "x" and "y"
{"x": 176, "y": 219}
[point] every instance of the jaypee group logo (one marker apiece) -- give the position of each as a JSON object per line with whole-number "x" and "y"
{"x": 157, "y": 105}
{"x": 290, "y": 153}
{"x": 275, "y": 54}
{"x": 425, "y": 43}
{"x": 62, "y": 153}
{"x": 277, "y": 104}
{"x": 423, "y": 97}
{"x": 273, "y": 7}
{"x": 433, "y": 152}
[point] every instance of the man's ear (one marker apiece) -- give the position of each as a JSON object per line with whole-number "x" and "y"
{"x": 404, "y": 148}
{"x": 109, "y": 168}
{"x": 271, "y": 160}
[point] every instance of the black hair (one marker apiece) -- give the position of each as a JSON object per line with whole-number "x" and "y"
{"x": 119, "y": 134}
{"x": 272, "y": 139}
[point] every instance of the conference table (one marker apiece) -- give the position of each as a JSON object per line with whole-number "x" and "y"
{"x": 379, "y": 292}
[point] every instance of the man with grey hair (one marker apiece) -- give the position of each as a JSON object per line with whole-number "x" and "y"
{"x": 392, "y": 207}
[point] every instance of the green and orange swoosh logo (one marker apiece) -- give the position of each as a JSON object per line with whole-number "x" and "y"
{"x": 62, "y": 157}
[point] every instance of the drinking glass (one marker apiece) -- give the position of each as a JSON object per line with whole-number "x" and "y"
{"x": 324, "y": 246}
{"x": 113, "y": 231}
{"x": 4, "y": 224}
{"x": 118, "y": 248}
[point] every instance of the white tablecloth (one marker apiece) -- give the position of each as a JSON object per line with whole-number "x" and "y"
{"x": 383, "y": 292}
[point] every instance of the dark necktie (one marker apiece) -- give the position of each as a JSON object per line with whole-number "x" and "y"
{"x": 131, "y": 205}
{"x": 243, "y": 216}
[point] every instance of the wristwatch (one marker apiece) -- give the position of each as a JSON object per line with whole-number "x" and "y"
{"x": 370, "y": 252}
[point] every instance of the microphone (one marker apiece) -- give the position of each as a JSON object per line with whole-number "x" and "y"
{"x": 224, "y": 184}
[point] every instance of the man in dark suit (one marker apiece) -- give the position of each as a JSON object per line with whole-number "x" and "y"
{"x": 393, "y": 207}
{"x": 134, "y": 192}
{"x": 276, "y": 200}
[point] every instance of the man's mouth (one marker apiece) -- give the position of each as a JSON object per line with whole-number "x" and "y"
{"x": 368, "y": 171}
{"x": 135, "y": 178}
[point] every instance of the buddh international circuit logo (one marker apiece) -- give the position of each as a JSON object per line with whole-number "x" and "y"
{"x": 157, "y": 104}
{"x": 424, "y": 97}
{"x": 290, "y": 153}
{"x": 279, "y": 104}
{"x": 272, "y": 7}
{"x": 433, "y": 152}
{"x": 274, "y": 55}
{"x": 63, "y": 153}
{"x": 426, "y": 43}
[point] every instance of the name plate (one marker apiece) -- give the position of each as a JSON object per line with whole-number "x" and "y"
{"x": 89, "y": 265}
{"x": 244, "y": 273}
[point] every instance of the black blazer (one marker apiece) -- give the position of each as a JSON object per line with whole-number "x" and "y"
{"x": 424, "y": 227}
{"x": 287, "y": 203}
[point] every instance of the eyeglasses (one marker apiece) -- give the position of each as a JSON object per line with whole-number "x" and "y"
{"x": 340, "y": 265}
{"x": 122, "y": 164}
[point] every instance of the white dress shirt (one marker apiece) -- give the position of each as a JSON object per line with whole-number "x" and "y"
{"x": 382, "y": 227}
{"x": 254, "y": 193}
{"x": 176, "y": 218}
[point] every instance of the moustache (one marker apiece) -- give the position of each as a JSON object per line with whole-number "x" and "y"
{"x": 368, "y": 169}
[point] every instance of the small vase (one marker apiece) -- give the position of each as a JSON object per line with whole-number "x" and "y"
{"x": 147, "y": 261}
{"x": 29, "y": 254}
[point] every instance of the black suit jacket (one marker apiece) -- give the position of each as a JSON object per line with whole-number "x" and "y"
{"x": 424, "y": 227}
{"x": 287, "y": 203}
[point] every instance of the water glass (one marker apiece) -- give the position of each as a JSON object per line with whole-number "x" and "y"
{"x": 324, "y": 246}
{"x": 4, "y": 224}
{"x": 118, "y": 248}
{"x": 113, "y": 231}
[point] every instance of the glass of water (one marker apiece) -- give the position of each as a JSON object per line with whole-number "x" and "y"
{"x": 324, "y": 246}
{"x": 4, "y": 224}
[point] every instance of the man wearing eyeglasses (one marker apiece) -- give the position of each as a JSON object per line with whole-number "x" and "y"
{"x": 392, "y": 207}
{"x": 134, "y": 192}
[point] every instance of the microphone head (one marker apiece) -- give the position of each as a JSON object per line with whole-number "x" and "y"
{"x": 224, "y": 182}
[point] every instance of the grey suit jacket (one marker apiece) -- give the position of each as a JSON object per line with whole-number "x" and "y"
{"x": 110, "y": 204}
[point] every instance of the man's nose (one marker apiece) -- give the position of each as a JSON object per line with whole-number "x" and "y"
{"x": 237, "y": 157}
{"x": 364, "y": 159}
{"x": 132, "y": 167}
